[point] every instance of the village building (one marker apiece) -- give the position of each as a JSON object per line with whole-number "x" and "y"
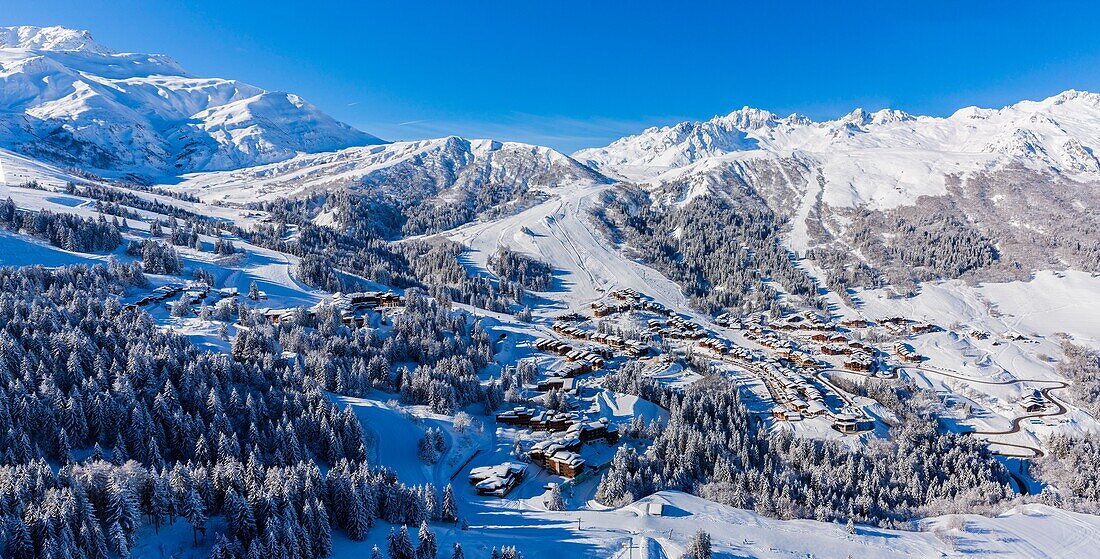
{"x": 850, "y": 421}
{"x": 497, "y": 480}
{"x": 556, "y": 383}
{"x": 1033, "y": 402}
{"x": 565, "y": 463}
{"x": 784, "y": 414}
{"x": 589, "y": 431}
{"x": 859, "y": 362}
{"x": 907, "y": 353}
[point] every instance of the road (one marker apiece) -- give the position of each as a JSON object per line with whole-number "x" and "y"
{"x": 1014, "y": 425}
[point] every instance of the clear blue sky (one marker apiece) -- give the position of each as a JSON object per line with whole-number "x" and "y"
{"x": 574, "y": 74}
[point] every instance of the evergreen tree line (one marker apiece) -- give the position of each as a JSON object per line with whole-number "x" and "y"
{"x": 110, "y": 422}
{"x": 1081, "y": 365}
{"x": 917, "y": 244}
{"x": 721, "y": 252}
{"x": 360, "y": 250}
{"x": 66, "y": 231}
{"x": 156, "y": 257}
{"x": 448, "y": 349}
{"x": 712, "y": 446}
{"x": 1072, "y": 464}
{"x": 436, "y": 263}
{"x": 516, "y": 267}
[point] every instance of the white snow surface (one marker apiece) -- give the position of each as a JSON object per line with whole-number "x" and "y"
{"x": 882, "y": 159}
{"x": 407, "y": 170}
{"x": 65, "y": 97}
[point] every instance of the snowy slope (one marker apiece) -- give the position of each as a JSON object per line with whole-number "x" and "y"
{"x": 408, "y": 170}
{"x": 66, "y": 98}
{"x": 863, "y": 154}
{"x": 1034, "y": 531}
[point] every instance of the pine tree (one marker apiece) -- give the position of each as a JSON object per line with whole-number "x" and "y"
{"x": 556, "y": 502}
{"x": 358, "y": 519}
{"x": 160, "y": 501}
{"x": 239, "y": 516}
{"x": 426, "y": 449}
{"x": 117, "y": 540}
{"x": 426, "y": 547}
{"x": 19, "y": 544}
{"x": 122, "y": 516}
{"x": 458, "y": 554}
{"x": 400, "y": 544}
{"x": 221, "y": 549}
{"x": 194, "y": 509}
{"x": 449, "y": 510}
{"x": 699, "y": 546}
{"x": 431, "y": 502}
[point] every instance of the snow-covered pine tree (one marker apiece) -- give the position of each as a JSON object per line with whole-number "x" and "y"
{"x": 426, "y": 547}
{"x": 555, "y": 502}
{"x": 449, "y": 510}
{"x": 699, "y": 546}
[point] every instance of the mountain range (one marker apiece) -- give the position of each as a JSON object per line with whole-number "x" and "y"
{"x": 1021, "y": 175}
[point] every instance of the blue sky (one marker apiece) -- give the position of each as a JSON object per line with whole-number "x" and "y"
{"x": 576, "y": 74}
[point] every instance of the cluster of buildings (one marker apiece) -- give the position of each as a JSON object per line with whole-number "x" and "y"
{"x": 586, "y": 360}
{"x": 627, "y": 300}
{"x": 728, "y": 320}
{"x": 851, "y": 421}
{"x": 677, "y": 328}
{"x": 860, "y": 363}
{"x": 561, "y": 454}
{"x": 787, "y": 369}
{"x": 901, "y": 326}
{"x": 536, "y": 419}
{"x": 162, "y": 293}
{"x": 1033, "y": 401}
{"x": 600, "y": 310}
{"x": 804, "y": 321}
{"x": 352, "y": 307}
{"x": 633, "y": 348}
{"x": 195, "y": 294}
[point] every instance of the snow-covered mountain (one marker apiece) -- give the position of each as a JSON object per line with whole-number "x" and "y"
{"x": 1016, "y": 174}
{"x": 67, "y": 99}
{"x": 865, "y": 151}
{"x": 410, "y": 171}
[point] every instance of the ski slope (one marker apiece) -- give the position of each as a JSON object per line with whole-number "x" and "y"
{"x": 559, "y": 231}
{"x": 1032, "y": 531}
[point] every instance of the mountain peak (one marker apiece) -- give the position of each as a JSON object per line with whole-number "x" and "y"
{"x": 53, "y": 38}
{"x": 749, "y": 118}
{"x": 1074, "y": 94}
{"x": 71, "y": 100}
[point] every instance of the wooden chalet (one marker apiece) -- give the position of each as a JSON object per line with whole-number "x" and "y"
{"x": 497, "y": 480}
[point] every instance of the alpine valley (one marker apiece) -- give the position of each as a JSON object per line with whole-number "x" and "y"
{"x": 232, "y": 326}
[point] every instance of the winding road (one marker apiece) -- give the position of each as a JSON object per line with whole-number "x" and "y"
{"x": 1014, "y": 425}
{"x": 1060, "y": 408}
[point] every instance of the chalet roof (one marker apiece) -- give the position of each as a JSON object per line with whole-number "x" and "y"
{"x": 494, "y": 477}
